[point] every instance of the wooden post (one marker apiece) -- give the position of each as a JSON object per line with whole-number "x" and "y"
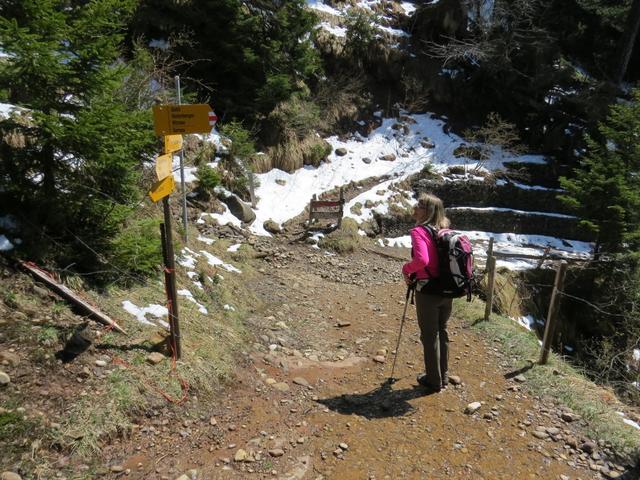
{"x": 252, "y": 189}
{"x": 491, "y": 268}
{"x": 170, "y": 279}
{"x": 552, "y": 316}
{"x": 341, "y": 213}
{"x": 490, "y": 249}
{"x": 313, "y": 199}
{"x": 544, "y": 257}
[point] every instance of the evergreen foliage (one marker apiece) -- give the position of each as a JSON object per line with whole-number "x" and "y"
{"x": 247, "y": 55}
{"x": 606, "y": 188}
{"x": 72, "y": 178}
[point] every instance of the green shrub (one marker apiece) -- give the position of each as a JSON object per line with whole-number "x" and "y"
{"x": 242, "y": 145}
{"x": 208, "y": 179}
{"x": 137, "y": 250}
{"x": 346, "y": 239}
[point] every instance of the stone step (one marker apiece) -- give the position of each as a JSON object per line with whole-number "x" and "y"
{"x": 491, "y": 193}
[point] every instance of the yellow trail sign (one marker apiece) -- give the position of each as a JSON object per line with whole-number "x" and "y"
{"x": 172, "y": 143}
{"x": 164, "y": 166}
{"x": 180, "y": 119}
{"x": 162, "y": 188}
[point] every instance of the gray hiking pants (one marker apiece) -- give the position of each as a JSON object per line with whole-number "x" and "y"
{"x": 433, "y": 313}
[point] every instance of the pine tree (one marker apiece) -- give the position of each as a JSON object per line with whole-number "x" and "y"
{"x": 606, "y": 188}
{"x": 72, "y": 179}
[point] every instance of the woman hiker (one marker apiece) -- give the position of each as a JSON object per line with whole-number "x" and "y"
{"x": 433, "y": 310}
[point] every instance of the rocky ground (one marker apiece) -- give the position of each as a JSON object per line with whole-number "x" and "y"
{"x": 311, "y": 398}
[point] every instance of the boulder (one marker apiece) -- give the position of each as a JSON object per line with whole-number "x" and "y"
{"x": 240, "y": 209}
{"x": 341, "y": 152}
{"x": 272, "y": 227}
{"x": 390, "y": 157}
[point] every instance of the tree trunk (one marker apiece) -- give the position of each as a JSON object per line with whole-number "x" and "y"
{"x": 627, "y": 41}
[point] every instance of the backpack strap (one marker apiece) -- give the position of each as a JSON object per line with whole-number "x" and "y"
{"x": 434, "y": 236}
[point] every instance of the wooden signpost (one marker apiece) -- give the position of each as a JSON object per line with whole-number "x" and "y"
{"x": 171, "y": 121}
{"x": 327, "y": 209}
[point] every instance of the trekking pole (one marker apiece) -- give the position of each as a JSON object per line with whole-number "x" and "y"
{"x": 404, "y": 315}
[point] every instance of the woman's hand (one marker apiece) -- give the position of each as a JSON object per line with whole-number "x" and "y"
{"x": 407, "y": 279}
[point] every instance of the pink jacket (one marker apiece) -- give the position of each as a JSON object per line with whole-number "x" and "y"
{"x": 424, "y": 256}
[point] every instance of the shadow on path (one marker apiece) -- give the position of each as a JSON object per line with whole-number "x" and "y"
{"x": 383, "y": 402}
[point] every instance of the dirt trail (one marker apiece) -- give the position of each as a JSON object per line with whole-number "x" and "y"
{"x": 293, "y": 408}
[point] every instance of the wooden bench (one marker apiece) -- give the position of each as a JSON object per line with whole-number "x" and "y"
{"x": 327, "y": 209}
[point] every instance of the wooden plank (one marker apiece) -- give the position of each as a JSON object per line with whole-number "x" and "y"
{"x": 67, "y": 294}
{"x": 325, "y": 203}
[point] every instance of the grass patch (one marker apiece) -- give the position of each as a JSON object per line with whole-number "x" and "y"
{"x": 210, "y": 342}
{"x": 568, "y": 386}
{"x": 346, "y": 239}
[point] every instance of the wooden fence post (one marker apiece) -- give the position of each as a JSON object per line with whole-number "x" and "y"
{"x": 490, "y": 249}
{"x": 491, "y": 268}
{"x": 552, "y": 316}
{"x": 341, "y": 207}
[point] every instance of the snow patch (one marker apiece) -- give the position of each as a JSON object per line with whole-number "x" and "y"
{"x": 189, "y": 296}
{"x": 5, "y": 244}
{"x": 140, "y": 313}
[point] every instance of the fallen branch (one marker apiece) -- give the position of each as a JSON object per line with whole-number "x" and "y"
{"x": 67, "y": 294}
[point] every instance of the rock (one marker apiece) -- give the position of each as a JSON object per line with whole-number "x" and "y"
{"x": 588, "y": 446}
{"x": 10, "y": 476}
{"x": 10, "y": 358}
{"x": 343, "y": 323}
{"x": 344, "y": 446}
{"x": 520, "y": 378}
{"x": 569, "y": 417}
{"x": 101, "y": 363}
{"x": 213, "y": 421}
{"x": 366, "y": 160}
{"x": 341, "y": 152}
{"x": 454, "y": 380}
{"x": 241, "y": 456}
{"x": 610, "y": 473}
{"x": 281, "y": 181}
{"x": 281, "y": 325}
{"x": 472, "y": 408}
{"x": 155, "y": 358}
{"x": 240, "y": 209}
{"x": 117, "y": 468}
{"x": 301, "y": 381}
{"x": 272, "y": 227}
{"x": 184, "y": 476}
{"x": 540, "y": 434}
{"x": 427, "y": 144}
{"x": 390, "y": 157}
{"x": 276, "y": 452}
{"x": 564, "y": 477}
{"x": 553, "y": 430}
{"x": 379, "y": 358}
{"x": 4, "y": 379}
{"x": 281, "y": 386}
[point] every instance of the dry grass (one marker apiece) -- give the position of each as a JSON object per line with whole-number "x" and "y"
{"x": 344, "y": 240}
{"x": 568, "y": 386}
{"x": 292, "y": 153}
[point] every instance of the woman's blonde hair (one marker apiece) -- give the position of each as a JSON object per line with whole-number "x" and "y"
{"x": 434, "y": 210}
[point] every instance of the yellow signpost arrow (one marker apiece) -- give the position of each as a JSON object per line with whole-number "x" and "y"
{"x": 180, "y": 119}
{"x": 164, "y": 166}
{"x": 162, "y": 188}
{"x": 172, "y": 143}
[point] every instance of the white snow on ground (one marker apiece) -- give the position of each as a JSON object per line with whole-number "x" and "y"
{"x": 636, "y": 354}
{"x": 628, "y": 421}
{"x": 333, "y": 29}
{"x": 396, "y": 32}
{"x": 520, "y": 212}
{"x": 229, "y": 307}
{"x": 322, "y": 7}
{"x": 512, "y": 243}
{"x": 527, "y": 187}
{"x": 528, "y": 321}
{"x": 140, "y": 313}
{"x": 6, "y": 109}
{"x": 188, "y": 258}
{"x": 5, "y": 244}
{"x": 283, "y": 202}
{"x": 208, "y": 241}
{"x": 189, "y": 296}
{"x": 408, "y": 8}
{"x": 222, "y": 218}
{"x": 234, "y": 248}
{"x": 213, "y": 260}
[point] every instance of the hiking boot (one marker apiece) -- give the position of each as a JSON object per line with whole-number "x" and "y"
{"x": 422, "y": 380}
